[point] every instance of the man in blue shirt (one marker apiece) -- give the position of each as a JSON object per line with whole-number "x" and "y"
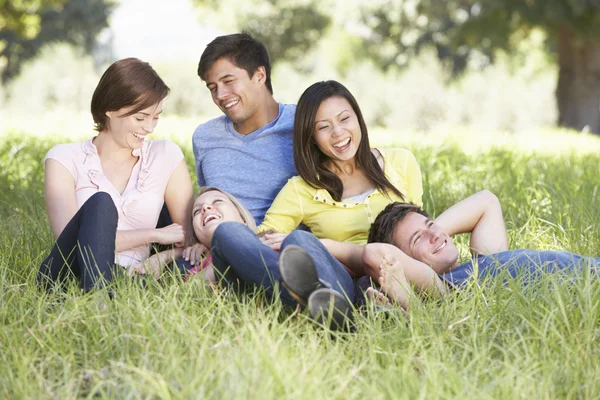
{"x": 248, "y": 150}
{"x": 428, "y": 256}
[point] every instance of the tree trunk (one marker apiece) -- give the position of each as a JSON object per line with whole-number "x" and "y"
{"x": 578, "y": 88}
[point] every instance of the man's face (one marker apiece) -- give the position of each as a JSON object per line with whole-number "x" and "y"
{"x": 422, "y": 239}
{"x": 233, "y": 91}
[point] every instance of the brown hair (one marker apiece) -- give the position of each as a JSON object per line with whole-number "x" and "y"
{"x": 311, "y": 161}
{"x": 242, "y": 50}
{"x": 126, "y": 83}
{"x": 382, "y": 229}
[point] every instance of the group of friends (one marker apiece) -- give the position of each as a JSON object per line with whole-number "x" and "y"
{"x": 293, "y": 199}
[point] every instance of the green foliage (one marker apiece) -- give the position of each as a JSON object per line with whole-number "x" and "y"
{"x": 23, "y": 16}
{"x": 77, "y": 22}
{"x": 289, "y": 29}
{"x": 459, "y": 30}
{"x": 171, "y": 339}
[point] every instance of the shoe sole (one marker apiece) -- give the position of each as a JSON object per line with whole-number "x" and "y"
{"x": 298, "y": 272}
{"x": 330, "y": 308}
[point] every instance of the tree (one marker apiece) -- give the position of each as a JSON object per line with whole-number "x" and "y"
{"x": 459, "y": 29}
{"x": 25, "y": 30}
{"x": 289, "y": 29}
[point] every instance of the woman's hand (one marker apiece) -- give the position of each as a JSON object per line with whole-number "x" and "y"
{"x": 171, "y": 234}
{"x": 273, "y": 240}
{"x": 149, "y": 266}
{"x": 194, "y": 254}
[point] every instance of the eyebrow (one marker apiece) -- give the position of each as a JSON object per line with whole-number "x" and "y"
{"x": 324, "y": 120}
{"x": 144, "y": 113}
{"x": 410, "y": 240}
{"x": 220, "y": 79}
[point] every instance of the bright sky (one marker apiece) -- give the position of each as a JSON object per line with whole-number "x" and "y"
{"x": 155, "y": 30}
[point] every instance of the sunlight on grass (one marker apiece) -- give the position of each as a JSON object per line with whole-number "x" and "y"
{"x": 182, "y": 340}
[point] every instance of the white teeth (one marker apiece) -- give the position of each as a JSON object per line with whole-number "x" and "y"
{"x": 139, "y": 136}
{"x": 342, "y": 143}
{"x": 210, "y": 218}
{"x": 231, "y": 103}
{"x": 441, "y": 246}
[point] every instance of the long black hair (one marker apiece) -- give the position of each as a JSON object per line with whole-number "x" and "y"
{"x": 311, "y": 162}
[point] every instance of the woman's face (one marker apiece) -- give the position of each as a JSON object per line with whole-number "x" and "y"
{"x": 337, "y": 131}
{"x": 210, "y": 209}
{"x": 130, "y": 131}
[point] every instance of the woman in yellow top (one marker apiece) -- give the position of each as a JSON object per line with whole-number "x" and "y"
{"x": 343, "y": 183}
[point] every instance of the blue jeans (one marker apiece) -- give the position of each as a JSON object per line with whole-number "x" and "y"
{"x": 522, "y": 263}
{"x": 239, "y": 255}
{"x": 85, "y": 247}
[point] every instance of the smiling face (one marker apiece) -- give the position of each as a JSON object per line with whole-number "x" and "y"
{"x": 130, "y": 131}
{"x": 234, "y": 91}
{"x": 337, "y": 131}
{"x": 422, "y": 239}
{"x": 210, "y": 209}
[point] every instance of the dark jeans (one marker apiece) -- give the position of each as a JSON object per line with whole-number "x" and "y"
{"x": 85, "y": 247}
{"x": 240, "y": 256}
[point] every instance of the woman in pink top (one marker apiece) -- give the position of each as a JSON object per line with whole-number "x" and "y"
{"x": 104, "y": 195}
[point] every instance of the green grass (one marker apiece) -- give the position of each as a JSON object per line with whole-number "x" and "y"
{"x": 175, "y": 340}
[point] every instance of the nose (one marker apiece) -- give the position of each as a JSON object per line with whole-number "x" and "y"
{"x": 434, "y": 236}
{"x": 337, "y": 130}
{"x": 149, "y": 126}
{"x": 221, "y": 93}
{"x": 206, "y": 207}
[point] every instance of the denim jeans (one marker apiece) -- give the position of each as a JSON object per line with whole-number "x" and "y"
{"x": 85, "y": 247}
{"x": 528, "y": 265}
{"x": 239, "y": 255}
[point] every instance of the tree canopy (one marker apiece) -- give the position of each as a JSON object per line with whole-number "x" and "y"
{"x": 27, "y": 25}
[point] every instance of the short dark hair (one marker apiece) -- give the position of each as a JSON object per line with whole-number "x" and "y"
{"x": 127, "y": 82}
{"x": 382, "y": 229}
{"x": 311, "y": 161}
{"x": 242, "y": 50}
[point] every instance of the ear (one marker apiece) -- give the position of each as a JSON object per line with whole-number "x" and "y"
{"x": 260, "y": 74}
{"x": 108, "y": 114}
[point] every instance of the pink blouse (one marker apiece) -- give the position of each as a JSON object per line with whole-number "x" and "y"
{"x": 140, "y": 203}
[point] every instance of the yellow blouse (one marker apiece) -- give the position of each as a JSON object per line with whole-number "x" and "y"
{"x": 341, "y": 220}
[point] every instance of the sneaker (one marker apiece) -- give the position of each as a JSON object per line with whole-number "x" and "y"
{"x": 299, "y": 274}
{"x": 331, "y": 309}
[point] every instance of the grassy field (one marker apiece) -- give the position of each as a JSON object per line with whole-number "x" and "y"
{"x": 175, "y": 340}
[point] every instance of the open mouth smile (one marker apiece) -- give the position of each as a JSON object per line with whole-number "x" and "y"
{"x": 231, "y": 104}
{"x": 209, "y": 218}
{"x": 342, "y": 144}
{"x": 441, "y": 246}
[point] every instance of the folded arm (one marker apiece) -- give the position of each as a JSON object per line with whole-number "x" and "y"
{"x": 480, "y": 215}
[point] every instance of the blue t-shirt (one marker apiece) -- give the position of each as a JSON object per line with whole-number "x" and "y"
{"x": 522, "y": 263}
{"x": 252, "y": 167}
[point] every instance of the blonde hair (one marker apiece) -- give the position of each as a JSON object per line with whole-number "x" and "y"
{"x": 244, "y": 213}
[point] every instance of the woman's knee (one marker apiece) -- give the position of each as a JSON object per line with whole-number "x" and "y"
{"x": 231, "y": 231}
{"x": 102, "y": 204}
{"x": 298, "y": 237}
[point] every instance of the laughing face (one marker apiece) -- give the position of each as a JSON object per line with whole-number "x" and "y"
{"x": 337, "y": 131}
{"x": 234, "y": 92}
{"x": 422, "y": 239}
{"x": 130, "y": 131}
{"x": 210, "y": 209}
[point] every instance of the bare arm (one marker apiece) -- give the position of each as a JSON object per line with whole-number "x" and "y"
{"x": 179, "y": 198}
{"x": 365, "y": 260}
{"x": 481, "y": 215}
{"x": 154, "y": 264}
{"x": 418, "y": 274}
{"x": 59, "y": 188}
